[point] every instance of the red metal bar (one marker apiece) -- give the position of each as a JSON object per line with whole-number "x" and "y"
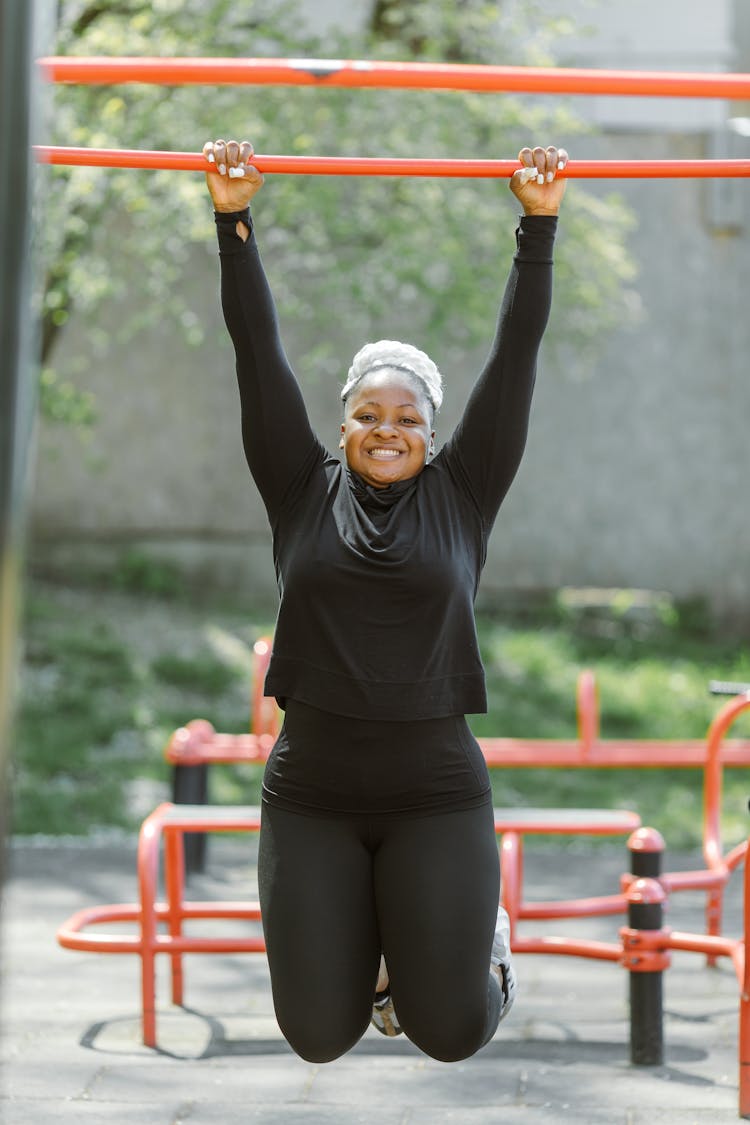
{"x": 569, "y": 947}
{"x": 403, "y": 75}
{"x": 387, "y": 166}
{"x": 744, "y": 1014}
{"x": 264, "y": 710}
{"x": 587, "y": 711}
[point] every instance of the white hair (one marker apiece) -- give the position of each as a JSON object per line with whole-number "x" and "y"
{"x": 402, "y": 357}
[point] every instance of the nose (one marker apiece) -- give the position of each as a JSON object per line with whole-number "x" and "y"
{"x": 385, "y": 428}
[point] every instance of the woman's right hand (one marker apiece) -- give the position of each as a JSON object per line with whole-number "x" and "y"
{"x": 232, "y": 180}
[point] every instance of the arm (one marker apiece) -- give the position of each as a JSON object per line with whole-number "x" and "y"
{"x": 276, "y": 432}
{"x": 489, "y": 441}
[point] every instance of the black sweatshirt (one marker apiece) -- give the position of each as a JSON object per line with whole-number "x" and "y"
{"x": 377, "y": 586}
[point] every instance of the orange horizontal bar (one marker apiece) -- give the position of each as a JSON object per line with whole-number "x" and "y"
{"x": 510, "y": 752}
{"x": 573, "y": 908}
{"x": 387, "y": 166}
{"x": 636, "y": 754}
{"x": 570, "y": 947}
{"x": 169, "y": 943}
{"x": 403, "y": 75}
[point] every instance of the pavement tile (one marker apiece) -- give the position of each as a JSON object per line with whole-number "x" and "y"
{"x": 264, "y": 1080}
{"x": 34, "y": 1111}
{"x": 234, "y": 1113}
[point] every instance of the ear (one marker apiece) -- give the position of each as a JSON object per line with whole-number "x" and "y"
{"x": 341, "y": 441}
{"x": 431, "y": 446}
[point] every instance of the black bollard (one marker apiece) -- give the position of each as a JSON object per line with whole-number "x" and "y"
{"x": 645, "y": 958}
{"x": 190, "y": 787}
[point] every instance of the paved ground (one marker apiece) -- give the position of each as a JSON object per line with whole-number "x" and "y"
{"x": 70, "y": 1024}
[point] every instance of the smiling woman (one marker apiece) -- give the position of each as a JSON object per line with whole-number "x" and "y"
{"x": 378, "y": 867}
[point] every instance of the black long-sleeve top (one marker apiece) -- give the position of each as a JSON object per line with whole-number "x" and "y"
{"x": 377, "y": 586}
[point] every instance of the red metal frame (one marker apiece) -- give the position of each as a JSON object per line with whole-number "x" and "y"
{"x": 389, "y": 166}
{"x": 412, "y": 75}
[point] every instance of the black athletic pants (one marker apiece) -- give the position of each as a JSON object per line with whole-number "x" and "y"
{"x": 335, "y": 891}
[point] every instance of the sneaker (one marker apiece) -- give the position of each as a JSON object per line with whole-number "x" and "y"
{"x": 502, "y": 962}
{"x": 384, "y": 1017}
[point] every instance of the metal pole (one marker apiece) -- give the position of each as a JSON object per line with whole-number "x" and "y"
{"x": 403, "y": 75}
{"x": 16, "y": 394}
{"x": 389, "y": 166}
{"x": 645, "y": 957}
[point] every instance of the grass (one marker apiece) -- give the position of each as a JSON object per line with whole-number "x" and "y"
{"x": 110, "y": 671}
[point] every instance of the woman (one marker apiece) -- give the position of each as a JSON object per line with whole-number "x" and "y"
{"x": 378, "y": 865}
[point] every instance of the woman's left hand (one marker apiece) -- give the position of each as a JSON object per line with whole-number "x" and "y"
{"x": 536, "y": 184}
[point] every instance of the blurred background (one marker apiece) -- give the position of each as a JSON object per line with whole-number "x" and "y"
{"x": 624, "y": 544}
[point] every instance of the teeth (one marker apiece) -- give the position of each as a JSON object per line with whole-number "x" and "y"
{"x": 384, "y": 452}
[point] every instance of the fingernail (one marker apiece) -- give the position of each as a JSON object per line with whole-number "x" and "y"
{"x": 236, "y": 173}
{"x": 550, "y": 177}
{"x": 211, "y": 158}
{"x": 540, "y": 178}
{"x": 222, "y": 169}
{"x": 560, "y": 165}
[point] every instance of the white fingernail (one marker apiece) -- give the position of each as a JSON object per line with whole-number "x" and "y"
{"x": 528, "y": 174}
{"x": 211, "y": 158}
{"x": 236, "y": 173}
{"x": 222, "y": 169}
{"x": 560, "y": 165}
{"x": 540, "y": 178}
{"x": 550, "y": 177}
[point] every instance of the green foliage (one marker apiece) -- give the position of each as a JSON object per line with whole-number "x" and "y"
{"x": 139, "y": 572}
{"x": 376, "y": 256}
{"x": 202, "y": 673}
{"x": 103, "y": 687}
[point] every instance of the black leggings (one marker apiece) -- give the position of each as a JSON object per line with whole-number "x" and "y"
{"x": 335, "y": 891}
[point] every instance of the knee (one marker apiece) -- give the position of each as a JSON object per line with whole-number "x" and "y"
{"x": 451, "y": 1040}
{"x": 318, "y": 1041}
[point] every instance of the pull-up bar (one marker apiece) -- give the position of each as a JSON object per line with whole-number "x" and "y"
{"x": 411, "y": 75}
{"x": 387, "y": 166}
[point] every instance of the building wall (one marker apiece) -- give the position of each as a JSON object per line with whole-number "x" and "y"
{"x": 635, "y": 474}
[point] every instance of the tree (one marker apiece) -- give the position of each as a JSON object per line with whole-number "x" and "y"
{"x": 376, "y": 256}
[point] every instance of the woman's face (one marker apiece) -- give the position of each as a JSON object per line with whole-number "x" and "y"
{"x": 386, "y": 434}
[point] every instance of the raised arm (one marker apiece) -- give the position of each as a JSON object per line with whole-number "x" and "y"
{"x": 489, "y": 441}
{"x": 276, "y": 432}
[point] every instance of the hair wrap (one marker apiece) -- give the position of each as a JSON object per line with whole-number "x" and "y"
{"x": 402, "y": 357}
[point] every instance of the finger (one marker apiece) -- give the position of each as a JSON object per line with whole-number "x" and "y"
{"x": 244, "y": 167}
{"x": 208, "y": 152}
{"x": 526, "y": 157}
{"x": 233, "y": 154}
{"x": 562, "y": 158}
{"x": 551, "y": 162}
{"x": 540, "y": 163}
{"x": 220, "y": 155}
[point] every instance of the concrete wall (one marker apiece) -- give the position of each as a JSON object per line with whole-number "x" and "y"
{"x": 636, "y": 474}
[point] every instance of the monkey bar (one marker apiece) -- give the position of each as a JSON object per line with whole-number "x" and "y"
{"x": 387, "y": 166}
{"x": 396, "y": 75}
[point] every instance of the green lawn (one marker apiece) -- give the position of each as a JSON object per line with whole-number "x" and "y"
{"x": 109, "y": 672}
